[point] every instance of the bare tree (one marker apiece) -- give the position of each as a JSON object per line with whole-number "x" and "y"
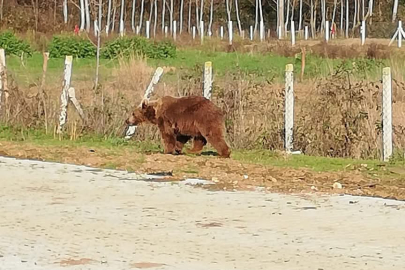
{"x": 355, "y": 14}
{"x": 189, "y": 16}
{"x": 141, "y": 15}
{"x": 256, "y": 15}
{"x": 100, "y": 11}
{"x": 156, "y": 15}
{"x": 171, "y": 16}
{"x": 287, "y": 18}
{"x": 87, "y": 10}
{"x": 280, "y": 12}
{"x": 228, "y": 11}
{"x": 107, "y": 26}
{"x": 334, "y": 11}
{"x": 347, "y": 18}
{"x": 237, "y": 17}
{"x": 82, "y": 16}
{"x": 181, "y": 15}
{"x": 300, "y": 19}
{"x": 394, "y": 10}
{"x": 1, "y": 9}
{"x": 122, "y": 19}
{"x": 133, "y": 16}
{"x": 163, "y": 14}
{"x": 65, "y": 11}
{"x": 211, "y": 17}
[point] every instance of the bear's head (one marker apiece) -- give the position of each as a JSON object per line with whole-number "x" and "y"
{"x": 146, "y": 112}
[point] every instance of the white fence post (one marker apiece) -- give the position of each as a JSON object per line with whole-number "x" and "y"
{"x": 399, "y": 33}
{"x": 289, "y": 108}
{"x": 292, "y": 33}
{"x": 147, "y": 29}
{"x": 327, "y": 31}
{"x": 130, "y": 131}
{"x": 279, "y": 32}
{"x": 306, "y": 32}
{"x": 174, "y": 30}
{"x": 221, "y": 32}
{"x": 363, "y": 32}
{"x": 230, "y": 32}
{"x": 121, "y": 28}
{"x": 261, "y": 30}
{"x": 193, "y": 32}
{"x": 251, "y": 32}
{"x": 202, "y": 31}
{"x": 2, "y": 73}
{"x": 65, "y": 94}
{"x": 387, "y": 114}
{"x": 207, "y": 87}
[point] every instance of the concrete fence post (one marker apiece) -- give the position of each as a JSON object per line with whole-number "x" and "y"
{"x": 207, "y": 83}
{"x": 289, "y": 107}
{"x": 387, "y": 114}
{"x": 65, "y": 94}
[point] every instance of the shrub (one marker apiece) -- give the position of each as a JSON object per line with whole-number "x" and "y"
{"x": 61, "y": 46}
{"x": 12, "y": 45}
{"x": 126, "y": 46}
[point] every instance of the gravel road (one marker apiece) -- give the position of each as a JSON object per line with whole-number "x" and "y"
{"x": 58, "y": 216}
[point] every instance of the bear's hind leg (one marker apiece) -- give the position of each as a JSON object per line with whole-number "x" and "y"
{"x": 198, "y": 144}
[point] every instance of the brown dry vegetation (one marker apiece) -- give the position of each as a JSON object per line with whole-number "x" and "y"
{"x": 335, "y": 116}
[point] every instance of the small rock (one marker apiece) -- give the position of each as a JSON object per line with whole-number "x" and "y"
{"x": 214, "y": 179}
{"x": 314, "y": 188}
{"x": 235, "y": 182}
{"x": 245, "y": 176}
{"x": 337, "y": 185}
{"x": 272, "y": 179}
{"x": 363, "y": 165}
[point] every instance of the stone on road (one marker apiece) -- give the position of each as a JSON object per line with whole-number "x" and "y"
{"x": 58, "y": 216}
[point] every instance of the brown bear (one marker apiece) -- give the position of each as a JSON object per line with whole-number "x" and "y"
{"x": 183, "y": 118}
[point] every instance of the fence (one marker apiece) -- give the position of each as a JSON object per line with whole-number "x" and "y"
{"x": 68, "y": 96}
{"x": 293, "y": 34}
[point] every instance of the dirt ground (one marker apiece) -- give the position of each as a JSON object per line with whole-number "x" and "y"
{"x": 227, "y": 174}
{"x": 58, "y": 216}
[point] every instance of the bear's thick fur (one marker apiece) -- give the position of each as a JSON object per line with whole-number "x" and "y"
{"x": 183, "y": 118}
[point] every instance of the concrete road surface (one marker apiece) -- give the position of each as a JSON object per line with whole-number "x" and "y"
{"x": 56, "y": 216}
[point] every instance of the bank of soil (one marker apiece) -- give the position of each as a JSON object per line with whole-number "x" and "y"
{"x": 227, "y": 174}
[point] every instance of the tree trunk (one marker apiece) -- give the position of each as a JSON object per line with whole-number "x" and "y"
{"x": 287, "y": 16}
{"x": 122, "y": 19}
{"x": 300, "y": 20}
{"x": 237, "y": 17}
{"x": 156, "y": 16}
{"x": 82, "y": 16}
{"x": 100, "y": 11}
{"x": 65, "y": 11}
{"x": 355, "y": 14}
{"x": 171, "y": 16}
{"x": 181, "y": 15}
{"x": 280, "y": 12}
{"x": 87, "y": 10}
{"x": 133, "y": 16}
{"x": 334, "y": 11}
{"x": 163, "y": 14}
{"x": 107, "y": 26}
{"x": 228, "y": 10}
{"x": 189, "y": 17}
{"x": 141, "y": 16}
{"x": 395, "y": 10}
{"x": 347, "y": 18}
{"x": 312, "y": 20}
{"x": 256, "y": 16}
{"x": 211, "y": 17}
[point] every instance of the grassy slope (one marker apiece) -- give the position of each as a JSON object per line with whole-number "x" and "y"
{"x": 263, "y": 67}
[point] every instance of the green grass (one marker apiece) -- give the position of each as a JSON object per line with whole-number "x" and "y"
{"x": 262, "y": 157}
{"x": 261, "y": 67}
